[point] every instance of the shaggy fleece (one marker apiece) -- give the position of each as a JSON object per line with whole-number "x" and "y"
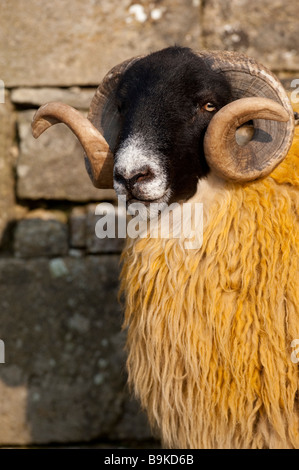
{"x": 210, "y": 330}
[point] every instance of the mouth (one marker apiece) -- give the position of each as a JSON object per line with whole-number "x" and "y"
{"x": 147, "y": 202}
{"x": 148, "y": 208}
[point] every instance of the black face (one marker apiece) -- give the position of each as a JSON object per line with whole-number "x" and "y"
{"x": 166, "y": 101}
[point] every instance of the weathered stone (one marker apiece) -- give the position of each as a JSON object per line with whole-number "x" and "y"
{"x": 41, "y": 233}
{"x": 7, "y": 198}
{"x": 86, "y": 233}
{"x": 52, "y": 167}
{"x": 78, "y": 227}
{"x": 47, "y": 45}
{"x": 79, "y": 98}
{"x": 13, "y": 410}
{"x": 101, "y": 238}
{"x": 63, "y": 379}
{"x": 76, "y": 252}
{"x": 134, "y": 423}
{"x": 266, "y": 30}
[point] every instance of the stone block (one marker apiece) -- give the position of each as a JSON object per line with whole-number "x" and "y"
{"x": 134, "y": 423}
{"x": 41, "y": 233}
{"x": 50, "y": 44}
{"x": 64, "y": 376}
{"x": 79, "y": 98}
{"x": 78, "y": 218}
{"x": 267, "y": 30}
{"x": 85, "y": 235}
{"x": 101, "y": 238}
{"x": 7, "y": 197}
{"x": 52, "y": 166}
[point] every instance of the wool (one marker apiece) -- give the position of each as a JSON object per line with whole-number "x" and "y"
{"x": 209, "y": 330}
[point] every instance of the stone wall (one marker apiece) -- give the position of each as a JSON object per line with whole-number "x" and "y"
{"x": 64, "y": 378}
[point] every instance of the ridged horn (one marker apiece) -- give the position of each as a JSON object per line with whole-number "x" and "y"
{"x": 99, "y": 158}
{"x": 259, "y": 97}
{"x": 242, "y": 162}
{"x": 97, "y": 133}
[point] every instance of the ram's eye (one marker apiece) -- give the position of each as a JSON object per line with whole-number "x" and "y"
{"x": 209, "y": 107}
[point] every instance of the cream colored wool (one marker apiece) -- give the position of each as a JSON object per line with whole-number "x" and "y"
{"x": 210, "y": 330}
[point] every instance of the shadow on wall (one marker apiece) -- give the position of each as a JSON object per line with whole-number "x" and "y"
{"x": 64, "y": 378}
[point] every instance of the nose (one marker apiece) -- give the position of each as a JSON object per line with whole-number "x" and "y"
{"x": 134, "y": 177}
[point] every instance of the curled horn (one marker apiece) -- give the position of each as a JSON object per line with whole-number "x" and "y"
{"x": 97, "y": 133}
{"x": 240, "y": 162}
{"x": 259, "y": 98}
{"x": 99, "y": 158}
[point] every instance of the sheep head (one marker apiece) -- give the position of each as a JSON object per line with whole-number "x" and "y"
{"x": 158, "y": 123}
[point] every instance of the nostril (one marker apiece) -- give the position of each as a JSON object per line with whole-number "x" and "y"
{"x": 131, "y": 178}
{"x": 141, "y": 176}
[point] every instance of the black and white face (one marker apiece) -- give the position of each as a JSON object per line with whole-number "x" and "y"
{"x": 166, "y": 101}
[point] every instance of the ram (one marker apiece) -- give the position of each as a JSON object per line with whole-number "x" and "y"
{"x": 210, "y": 328}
